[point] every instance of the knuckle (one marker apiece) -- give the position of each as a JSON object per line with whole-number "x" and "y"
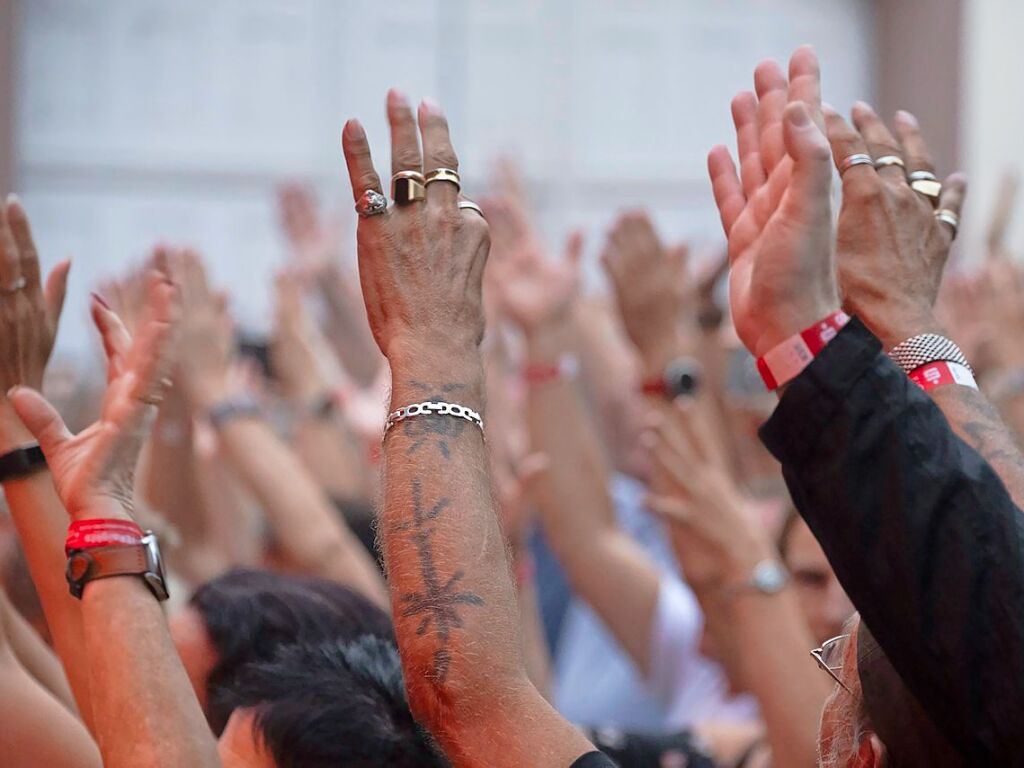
{"x": 406, "y": 157}
{"x": 445, "y": 157}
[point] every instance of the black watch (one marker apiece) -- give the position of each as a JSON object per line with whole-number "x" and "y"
{"x": 21, "y": 462}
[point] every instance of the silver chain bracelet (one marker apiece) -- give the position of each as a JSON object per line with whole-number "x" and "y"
{"x": 433, "y": 408}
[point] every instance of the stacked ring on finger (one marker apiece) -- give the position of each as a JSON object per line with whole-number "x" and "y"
{"x": 371, "y": 203}
{"x": 444, "y": 174}
{"x": 949, "y": 217}
{"x": 886, "y": 160}
{"x": 469, "y": 205}
{"x": 408, "y": 187}
{"x": 927, "y": 184}
{"x": 856, "y": 159}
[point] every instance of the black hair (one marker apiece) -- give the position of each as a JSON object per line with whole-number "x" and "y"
{"x": 249, "y": 614}
{"x": 322, "y": 705}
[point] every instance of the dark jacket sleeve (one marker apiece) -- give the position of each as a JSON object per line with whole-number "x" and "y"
{"x": 921, "y": 533}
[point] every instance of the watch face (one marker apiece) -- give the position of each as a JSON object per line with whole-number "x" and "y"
{"x": 155, "y": 575}
{"x": 770, "y": 577}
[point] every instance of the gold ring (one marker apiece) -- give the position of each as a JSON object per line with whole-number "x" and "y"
{"x": 469, "y": 205}
{"x": 887, "y": 160}
{"x": 949, "y": 217}
{"x": 444, "y": 174}
{"x": 408, "y": 187}
{"x": 929, "y": 188}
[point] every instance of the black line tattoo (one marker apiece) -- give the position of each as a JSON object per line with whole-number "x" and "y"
{"x": 437, "y": 604}
{"x": 444, "y": 428}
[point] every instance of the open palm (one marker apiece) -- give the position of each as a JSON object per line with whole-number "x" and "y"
{"x": 96, "y": 467}
{"x": 777, "y": 211}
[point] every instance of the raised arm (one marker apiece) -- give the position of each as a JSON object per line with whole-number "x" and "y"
{"x": 144, "y": 709}
{"x": 892, "y": 250}
{"x": 421, "y": 266}
{"x": 606, "y": 568}
{"x": 32, "y": 313}
{"x": 310, "y": 534}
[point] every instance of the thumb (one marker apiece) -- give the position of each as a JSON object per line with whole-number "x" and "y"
{"x": 40, "y": 418}
{"x": 812, "y": 158}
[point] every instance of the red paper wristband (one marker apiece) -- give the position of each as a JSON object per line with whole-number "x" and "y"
{"x": 784, "y": 361}
{"x": 566, "y": 366}
{"x": 90, "y": 534}
{"x": 931, "y": 375}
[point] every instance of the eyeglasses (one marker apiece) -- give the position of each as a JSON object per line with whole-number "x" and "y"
{"x": 830, "y": 658}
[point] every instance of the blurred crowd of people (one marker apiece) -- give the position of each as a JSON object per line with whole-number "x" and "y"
{"x": 592, "y": 535}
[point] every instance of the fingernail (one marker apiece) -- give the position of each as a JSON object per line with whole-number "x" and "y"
{"x": 908, "y": 118}
{"x": 397, "y": 97}
{"x": 12, "y": 390}
{"x": 826, "y": 107}
{"x": 12, "y": 199}
{"x": 432, "y": 107}
{"x": 99, "y": 300}
{"x": 353, "y": 129}
{"x": 863, "y": 105}
{"x": 799, "y": 117}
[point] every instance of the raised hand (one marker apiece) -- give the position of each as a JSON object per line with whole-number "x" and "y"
{"x": 420, "y": 265}
{"x": 651, "y": 285}
{"x": 716, "y": 530}
{"x": 777, "y": 213}
{"x": 529, "y": 287}
{"x": 316, "y": 246}
{"x": 206, "y": 344}
{"x": 93, "y": 471}
{"x": 301, "y": 358}
{"x": 29, "y": 313}
{"x": 891, "y": 249}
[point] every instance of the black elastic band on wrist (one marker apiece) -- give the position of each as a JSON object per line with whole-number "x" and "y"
{"x": 21, "y": 462}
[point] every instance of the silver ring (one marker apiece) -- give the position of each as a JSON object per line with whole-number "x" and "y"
{"x": 14, "y": 287}
{"x": 922, "y": 176}
{"x": 886, "y": 160}
{"x": 857, "y": 159}
{"x": 469, "y": 205}
{"x": 949, "y": 217}
{"x": 371, "y": 203}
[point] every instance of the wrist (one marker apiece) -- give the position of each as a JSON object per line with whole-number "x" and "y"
{"x": 656, "y": 354}
{"x": 13, "y": 434}
{"x": 893, "y": 331}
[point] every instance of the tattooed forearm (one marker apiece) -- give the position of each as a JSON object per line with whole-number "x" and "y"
{"x": 980, "y": 426}
{"x": 441, "y": 430}
{"x": 437, "y": 603}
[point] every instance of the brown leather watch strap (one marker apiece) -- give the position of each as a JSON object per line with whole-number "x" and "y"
{"x": 104, "y": 562}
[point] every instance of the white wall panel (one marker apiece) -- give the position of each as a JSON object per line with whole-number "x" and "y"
{"x": 140, "y": 119}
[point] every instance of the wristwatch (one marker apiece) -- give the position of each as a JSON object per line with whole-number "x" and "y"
{"x": 681, "y": 377}
{"x": 769, "y": 577}
{"x": 143, "y": 559}
{"x": 21, "y": 462}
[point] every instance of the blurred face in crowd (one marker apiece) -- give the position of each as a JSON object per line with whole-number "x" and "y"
{"x": 195, "y": 648}
{"x": 822, "y": 599}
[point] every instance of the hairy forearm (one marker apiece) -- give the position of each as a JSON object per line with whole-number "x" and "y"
{"x": 978, "y": 424}
{"x": 302, "y": 518}
{"x": 452, "y": 598}
{"x": 145, "y": 710}
{"x": 536, "y": 654}
{"x": 605, "y": 566}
